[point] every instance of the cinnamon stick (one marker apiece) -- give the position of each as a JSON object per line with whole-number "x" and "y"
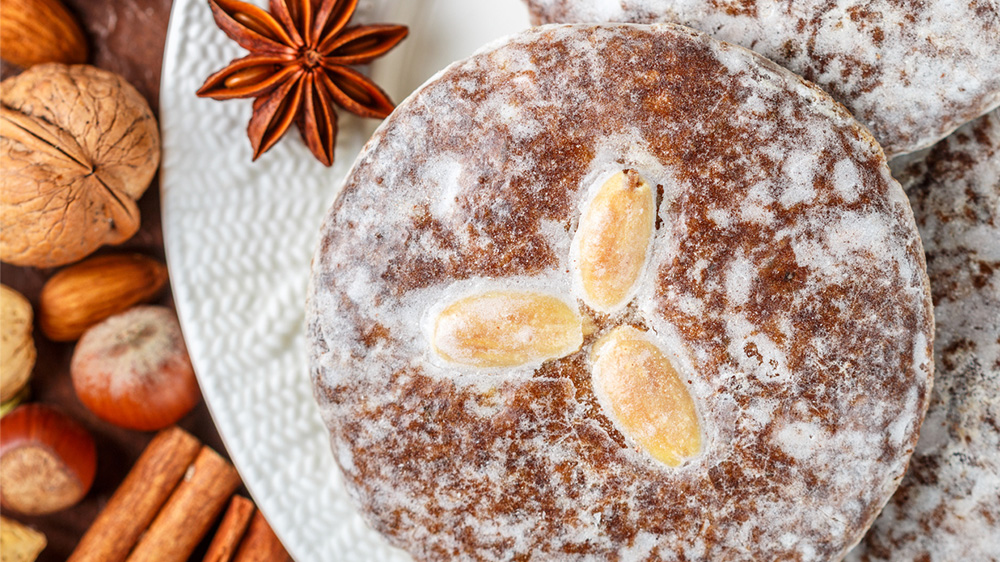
{"x": 260, "y": 544}
{"x": 230, "y": 532}
{"x": 137, "y": 501}
{"x": 190, "y": 510}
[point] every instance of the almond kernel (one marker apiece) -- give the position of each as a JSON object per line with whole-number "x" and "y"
{"x": 506, "y": 329}
{"x": 38, "y": 31}
{"x": 648, "y": 400}
{"x": 613, "y": 240}
{"x": 84, "y": 294}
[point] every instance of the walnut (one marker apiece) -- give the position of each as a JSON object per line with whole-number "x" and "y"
{"x": 17, "y": 346}
{"x": 78, "y": 147}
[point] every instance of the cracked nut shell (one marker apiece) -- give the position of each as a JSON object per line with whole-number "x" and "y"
{"x": 78, "y": 146}
{"x": 17, "y": 346}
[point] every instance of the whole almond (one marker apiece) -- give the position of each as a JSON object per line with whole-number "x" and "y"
{"x": 646, "y": 397}
{"x": 37, "y": 31}
{"x": 613, "y": 240}
{"x": 84, "y": 294}
{"x": 506, "y": 329}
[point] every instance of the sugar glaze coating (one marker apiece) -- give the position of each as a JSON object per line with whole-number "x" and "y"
{"x": 911, "y": 71}
{"x": 948, "y": 505}
{"x": 786, "y": 281}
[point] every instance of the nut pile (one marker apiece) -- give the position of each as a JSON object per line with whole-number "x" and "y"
{"x": 79, "y": 146}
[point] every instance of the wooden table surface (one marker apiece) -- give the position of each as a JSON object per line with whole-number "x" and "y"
{"x": 127, "y": 37}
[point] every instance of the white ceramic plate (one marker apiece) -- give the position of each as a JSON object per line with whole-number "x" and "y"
{"x": 239, "y": 238}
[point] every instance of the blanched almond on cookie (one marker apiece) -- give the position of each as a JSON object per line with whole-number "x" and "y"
{"x": 648, "y": 400}
{"x": 613, "y": 240}
{"x": 506, "y": 329}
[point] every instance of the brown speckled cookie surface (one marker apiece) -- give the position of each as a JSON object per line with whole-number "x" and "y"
{"x": 911, "y": 71}
{"x": 948, "y": 505}
{"x": 786, "y": 281}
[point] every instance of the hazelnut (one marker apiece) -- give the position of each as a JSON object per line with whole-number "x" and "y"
{"x": 133, "y": 370}
{"x": 47, "y": 460}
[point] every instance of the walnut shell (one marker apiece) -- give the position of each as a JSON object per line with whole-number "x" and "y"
{"x": 78, "y": 146}
{"x": 17, "y": 346}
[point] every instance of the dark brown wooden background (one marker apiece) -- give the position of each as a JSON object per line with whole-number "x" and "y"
{"x": 127, "y": 37}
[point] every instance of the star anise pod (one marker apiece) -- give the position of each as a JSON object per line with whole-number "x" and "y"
{"x": 299, "y": 68}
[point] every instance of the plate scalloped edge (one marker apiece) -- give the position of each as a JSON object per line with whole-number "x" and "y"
{"x": 239, "y": 239}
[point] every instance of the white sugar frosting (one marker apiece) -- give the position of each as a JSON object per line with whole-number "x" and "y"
{"x": 948, "y": 506}
{"x": 797, "y": 316}
{"x": 912, "y": 71}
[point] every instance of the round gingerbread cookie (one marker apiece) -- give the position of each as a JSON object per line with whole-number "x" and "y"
{"x": 911, "y": 71}
{"x": 620, "y": 292}
{"x": 948, "y": 505}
